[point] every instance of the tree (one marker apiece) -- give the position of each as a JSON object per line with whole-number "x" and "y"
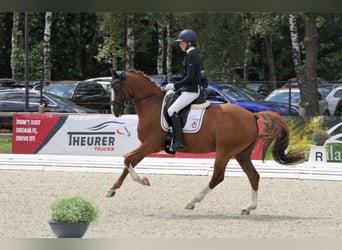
{"x": 309, "y": 95}
{"x": 247, "y": 59}
{"x": 169, "y": 46}
{"x": 84, "y": 45}
{"x": 111, "y": 49}
{"x": 6, "y": 24}
{"x": 330, "y": 46}
{"x": 16, "y": 58}
{"x": 130, "y": 39}
{"x": 46, "y": 52}
{"x": 270, "y": 59}
{"x": 164, "y": 54}
{"x": 161, "y": 47}
{"x": 265, "y": 25}
{"x": 296, "y": 55}
{"x": 221, "y": 37}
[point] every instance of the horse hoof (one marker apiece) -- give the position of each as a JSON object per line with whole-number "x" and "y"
{"x": 145, "y": 181}
{"x": 110, "y": 193}
{"x": 189, "y": 206}
{"x": 245, "y": 212}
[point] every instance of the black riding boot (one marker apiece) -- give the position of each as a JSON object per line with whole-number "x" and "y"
{"x": 178, "y": 134}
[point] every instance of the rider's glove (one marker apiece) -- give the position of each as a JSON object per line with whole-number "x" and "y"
{"x": 169, "y": 86}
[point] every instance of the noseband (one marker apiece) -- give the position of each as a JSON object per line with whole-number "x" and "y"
{"x": 122, "y": 103}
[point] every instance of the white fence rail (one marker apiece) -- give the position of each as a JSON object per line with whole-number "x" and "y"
{"x": 182, "y": 166}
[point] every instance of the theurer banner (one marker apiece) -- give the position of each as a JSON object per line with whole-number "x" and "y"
{"x": 98, "y": 135}
{"x": 74, "y": 134}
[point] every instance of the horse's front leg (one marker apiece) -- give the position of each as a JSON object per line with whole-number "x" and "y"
{"x": 118, "y": 183}
{"x": 131, "y": 160}
{"x": 136, "y": 177}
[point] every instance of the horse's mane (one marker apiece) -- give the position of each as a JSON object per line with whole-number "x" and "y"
{"x": 134, "y": 71}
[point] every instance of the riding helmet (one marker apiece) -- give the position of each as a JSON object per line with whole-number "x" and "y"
{"x": 187, "y": 36}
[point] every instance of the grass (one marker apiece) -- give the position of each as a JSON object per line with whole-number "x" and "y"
{"x": 5, "y": 145}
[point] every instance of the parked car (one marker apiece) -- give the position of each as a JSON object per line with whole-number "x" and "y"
{"x": 328, "y": 87}
{"x": 324, "y": 91}
{"x": 13, "y": 100}
{"x": 262, "y": 88}
{"x": 324, "y": 88}
{"x": 37, "y": 86}
{"x": 255, "y": 95}
{"x": 294, "y": 82}
{"x": 226, "y": 93}
{"x": 162, "y": 80}
{"x": 334, "y": 100}
{"x": 338, "y": 110}
{"x": 104, "y": 81}
{"x": 89, "y": 94}
{"x": 6, "y": 83}
{"x": 282, "y": 95}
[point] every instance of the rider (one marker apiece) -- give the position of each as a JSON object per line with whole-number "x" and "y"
{"x": 189, "y": 85}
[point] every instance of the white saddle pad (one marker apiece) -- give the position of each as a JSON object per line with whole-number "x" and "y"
{"x": 194, "y": 119}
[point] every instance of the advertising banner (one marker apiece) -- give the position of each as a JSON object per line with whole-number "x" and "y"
{"x": 74, "y": 134}
{"x": 98, "y": 135}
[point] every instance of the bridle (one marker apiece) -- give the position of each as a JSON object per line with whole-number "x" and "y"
{"x": 122, "y": 103}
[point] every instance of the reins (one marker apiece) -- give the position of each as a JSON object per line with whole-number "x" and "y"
{"x": 145, "y": 97}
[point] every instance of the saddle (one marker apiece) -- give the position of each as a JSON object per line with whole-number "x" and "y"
{"x": 191, "y": 116}
{"x": 171, "y": 97}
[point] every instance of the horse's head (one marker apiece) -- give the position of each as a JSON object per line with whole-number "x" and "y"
{"x": 134, "y": 85}
{"x": 119, "y": 94}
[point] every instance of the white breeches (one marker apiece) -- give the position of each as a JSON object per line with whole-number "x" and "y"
{"x": 182, "y": 101}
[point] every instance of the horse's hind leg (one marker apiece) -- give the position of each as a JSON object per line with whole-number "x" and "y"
{"x": 244, "y": 159}
{"x": 218, "y": 176}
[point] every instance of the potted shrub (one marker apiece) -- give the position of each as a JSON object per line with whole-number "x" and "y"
{"x": 71, "y": 216}
{"x": 319, "y": 137}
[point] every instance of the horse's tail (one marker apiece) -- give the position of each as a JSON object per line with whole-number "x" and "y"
{"x": 276, "y": 129}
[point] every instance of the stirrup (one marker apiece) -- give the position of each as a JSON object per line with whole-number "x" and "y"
{"x": 178, "y": 146}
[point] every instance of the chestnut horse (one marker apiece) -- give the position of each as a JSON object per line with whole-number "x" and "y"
{"x": 227, "y": 129}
